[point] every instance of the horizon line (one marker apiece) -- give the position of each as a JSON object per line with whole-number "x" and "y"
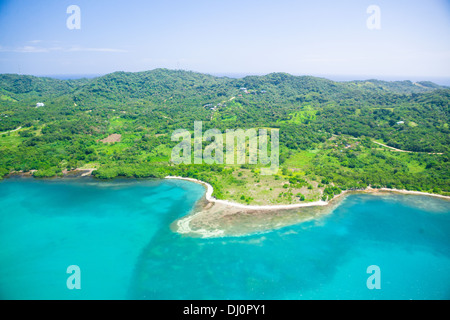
{"x": 240, "y": 75}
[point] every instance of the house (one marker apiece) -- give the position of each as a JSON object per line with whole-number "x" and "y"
{"x": 400, "y": 122}
{"x": 40, "y": 104}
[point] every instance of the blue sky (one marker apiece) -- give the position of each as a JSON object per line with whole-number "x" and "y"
{"x": 246, "y": 37}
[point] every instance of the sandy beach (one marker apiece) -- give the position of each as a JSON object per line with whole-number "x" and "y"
{"x": 216, "y": 218}
{"x": 210, "y": 198}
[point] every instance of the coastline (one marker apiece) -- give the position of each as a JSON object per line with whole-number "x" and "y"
{"x": 74, "y": 173}
{"x": 212, "y": 217}
{"x": 87, "y": 172}
{"x": 217, "y": 218}
{"x": 210, "y": 198}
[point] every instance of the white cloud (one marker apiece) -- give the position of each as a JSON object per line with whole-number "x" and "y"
{"x": 74, "y": 49}
{"x": 26, "y": 49}
{"x": 44, "y": 49}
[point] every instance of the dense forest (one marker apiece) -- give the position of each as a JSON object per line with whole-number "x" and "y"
{"x": 333, "y": 135}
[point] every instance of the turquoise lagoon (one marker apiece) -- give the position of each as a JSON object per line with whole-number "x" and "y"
{"x": 118, "y": 233}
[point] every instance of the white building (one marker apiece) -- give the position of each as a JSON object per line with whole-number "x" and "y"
{"x": 39, "y": 104}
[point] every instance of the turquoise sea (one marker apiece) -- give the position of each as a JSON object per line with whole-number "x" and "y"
{"x": 118, "y": 233}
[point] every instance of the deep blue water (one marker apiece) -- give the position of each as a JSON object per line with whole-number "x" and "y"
{"x": 118, "y": 233}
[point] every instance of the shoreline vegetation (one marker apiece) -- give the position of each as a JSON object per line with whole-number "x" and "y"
{"x": 78, "y": 172}
{"x": 210, "y": 198}
{"x": 216, "y": 218}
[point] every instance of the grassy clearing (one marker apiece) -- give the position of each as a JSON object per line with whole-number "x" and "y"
{"x": 248, "y": 186}
{"x": 117, "y": 123}
{"x": 305, "y": 115}
{"x": 415, "y": 166}
{"x": 10, "y": 140}
{"x": 301, "y": 159}
{"x": 7, "y": 98}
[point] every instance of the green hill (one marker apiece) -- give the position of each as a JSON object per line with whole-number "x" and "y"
{"x": 311, "y": 113}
